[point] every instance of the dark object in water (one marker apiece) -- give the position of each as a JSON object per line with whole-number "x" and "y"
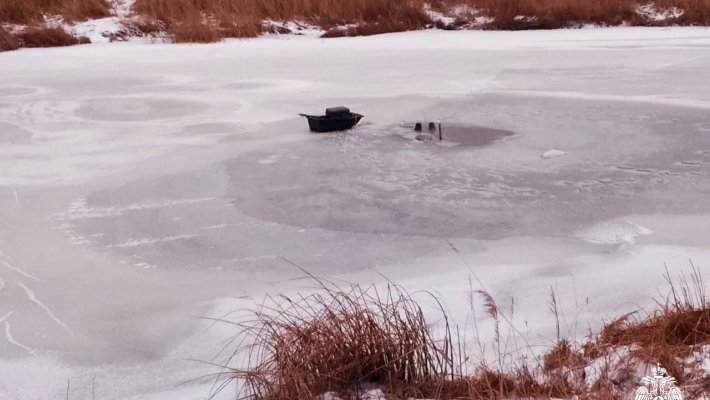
{"x": 432, "y": 126}
{"x": 418, "y": 127}
{"x": 335, "y": 119}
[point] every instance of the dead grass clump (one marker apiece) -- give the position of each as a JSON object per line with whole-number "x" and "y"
{"x": 681, "y": 322}
{"x": 549, "y": 14}
{"x": 48, "y": 37}
{"x": 408, "y": 20}
{"x": 7, "y": 41}
{"x": 561, "y": 356}
{"x": 347, "y": 339}
{"x": 338, "y": 340}
{"x": 194, "y": 31}
{"x": 672, "y": 335}
{"x": 243, "y": 18}
{"x": 244, "y": 27}
{"x": 487, "y": 383}
{"x": 31, "y": 11}
{"x": 142, "y": 27}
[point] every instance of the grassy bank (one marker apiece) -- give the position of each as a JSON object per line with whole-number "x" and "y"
{"x": 349, "y": 339}
{"x": 32, "y": 11}
{"x": 27, "y": 18}
{"x": 210, "y": 20}
{"x": 213, "y": 20}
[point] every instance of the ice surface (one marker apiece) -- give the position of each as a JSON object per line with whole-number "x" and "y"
{"x": 144, "y": 185}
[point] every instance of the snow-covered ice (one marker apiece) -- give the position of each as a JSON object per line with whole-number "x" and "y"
{"x": 145, "y": 186}
{"x": 553, "y": 153}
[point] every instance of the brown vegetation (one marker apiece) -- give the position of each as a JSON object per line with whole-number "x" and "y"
{"x": 212, "y": 20}
{"x": 346, "y": 340}
{"x": 7, "y": 41}
{"x": 30, "y": 14}
{"x": 48, "y": 37}
{"x": 338, "y": 340}
{"x": 31, "y": 11}
{"x": 242, "y": 18}
{"x": 186, "y": 19}
{"x": 550, "y": 14}
{"x": 670, "y": 335}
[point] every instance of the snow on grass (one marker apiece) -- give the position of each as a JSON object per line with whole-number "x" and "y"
{"x": 101, "y": 30}
{"x": 298, "y": 28}
{"x": 652, "y": 12}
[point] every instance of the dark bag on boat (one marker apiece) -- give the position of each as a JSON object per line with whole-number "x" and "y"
{"x": 337, "y": 111}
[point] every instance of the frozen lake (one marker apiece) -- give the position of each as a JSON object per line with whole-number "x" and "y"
{"x": 143, "y": 185}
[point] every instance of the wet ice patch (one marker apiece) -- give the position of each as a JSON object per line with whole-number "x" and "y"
{"x": 474, "y": 135}
{"x": 247, "y": 85}
{"x": 456, "y": 135}
{"x": 136, "y": 109}
{"x": 266, "y": 84}
{"x": 99, "y": 83}
{"x": 11, "y": 132}
{"x": 210, "y": 128}
{"x": 16, "y": 91}
{"x": 613, "y": 232}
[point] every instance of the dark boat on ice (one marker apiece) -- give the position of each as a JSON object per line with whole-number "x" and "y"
{"x": 335, "y": 119}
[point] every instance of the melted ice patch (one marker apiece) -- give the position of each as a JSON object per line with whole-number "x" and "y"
{"x": 267, "y": 84}
{"x": 210, "y": 128}
{"x": 11, "y": 132}
{"x": 16, "y": 91}
{"x": 136, "y": 109}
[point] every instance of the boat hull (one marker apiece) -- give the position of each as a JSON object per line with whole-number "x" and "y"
{"x": 325, "y": 123}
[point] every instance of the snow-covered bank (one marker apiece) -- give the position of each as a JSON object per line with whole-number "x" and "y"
{"x": 142, "y": 185}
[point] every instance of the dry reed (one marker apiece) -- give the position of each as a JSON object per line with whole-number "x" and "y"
{"x": 337, "y": 340}
{"x": 367, "y": 17}
{"x": 32, "y": 11}
{"x": 242, "y": 18}
{"x": 48, "y": 37}
{"x": 344, "y": 339}
{"x": 7, "y": 41}
{"x": 213, "y": 20}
